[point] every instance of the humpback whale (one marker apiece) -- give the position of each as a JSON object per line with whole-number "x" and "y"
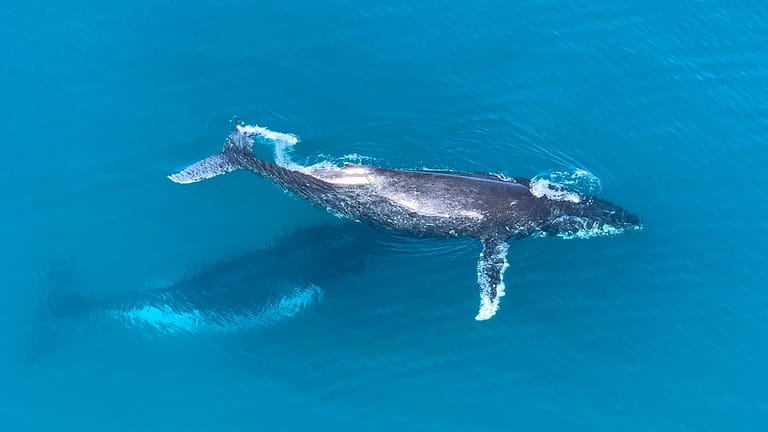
{"x": 492, "y": 208}
{"x": 254, "y": 289}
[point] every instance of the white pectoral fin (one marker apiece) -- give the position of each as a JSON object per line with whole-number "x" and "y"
{"x": 490, "y": 276}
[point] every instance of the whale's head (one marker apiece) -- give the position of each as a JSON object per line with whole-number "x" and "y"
{"x": 587, "y": 217}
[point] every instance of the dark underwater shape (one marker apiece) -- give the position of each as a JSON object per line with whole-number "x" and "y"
{"x": 252, "y": 290}
{"x": 61, "y": 306}
{"x": 256, "y": 288}
{"x": 437, "y": 204}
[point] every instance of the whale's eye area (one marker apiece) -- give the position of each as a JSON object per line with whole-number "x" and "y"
{"x": 622, "y": 218}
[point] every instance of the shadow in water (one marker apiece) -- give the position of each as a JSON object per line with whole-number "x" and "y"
{"x": 254, "y": 290}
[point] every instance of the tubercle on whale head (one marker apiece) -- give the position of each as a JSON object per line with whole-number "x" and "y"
{"x": 590, "y": 217}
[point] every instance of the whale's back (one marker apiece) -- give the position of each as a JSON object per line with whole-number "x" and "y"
{"x": 429, "y": 202}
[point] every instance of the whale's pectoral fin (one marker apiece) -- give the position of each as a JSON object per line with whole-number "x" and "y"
{"x": 490, "y": 273}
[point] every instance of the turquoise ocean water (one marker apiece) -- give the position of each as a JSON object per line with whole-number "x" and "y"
{"x": 663, "y": 104}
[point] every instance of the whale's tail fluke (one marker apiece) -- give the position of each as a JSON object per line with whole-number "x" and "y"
{"x": 237, "y": 154}
{"x": 213, "y": 165}
{"x": 61, "y": 306}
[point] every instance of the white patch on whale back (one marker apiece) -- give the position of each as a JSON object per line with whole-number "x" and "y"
{"x": 406, "y": 202}
{"x": 349, "y": 175}
{"x": 170, "y": 319}
{"x": 350, "y": 181}
{"x": 428, "y": 207}
{"x": 355, "y": 170}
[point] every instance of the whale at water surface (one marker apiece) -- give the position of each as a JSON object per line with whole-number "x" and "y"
{"x": 424, "y": 203}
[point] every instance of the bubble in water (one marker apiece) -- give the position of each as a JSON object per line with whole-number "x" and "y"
{"x": 283, "y": 142}
{"x": 576, "y": 180}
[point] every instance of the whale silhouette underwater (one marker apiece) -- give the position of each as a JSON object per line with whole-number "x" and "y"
{"x": 252, "y": 290}
{"x": 425, "y": 203}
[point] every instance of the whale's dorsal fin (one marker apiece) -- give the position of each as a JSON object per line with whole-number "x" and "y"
{"x": 490, "y": 275}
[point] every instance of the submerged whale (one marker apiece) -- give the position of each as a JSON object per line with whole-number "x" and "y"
{"x": 252, "y": 290}
{"x": 491, "y": 208}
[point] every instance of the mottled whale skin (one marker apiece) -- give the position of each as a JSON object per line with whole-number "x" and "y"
{"x": 430, "y": 204}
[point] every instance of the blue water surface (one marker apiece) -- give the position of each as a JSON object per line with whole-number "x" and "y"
{"x": 666, "y": 103}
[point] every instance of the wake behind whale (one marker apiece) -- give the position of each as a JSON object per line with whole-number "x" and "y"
{"x": 441, "y": 204}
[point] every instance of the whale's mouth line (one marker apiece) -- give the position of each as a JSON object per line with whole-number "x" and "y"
{"x": 584, "y": 228}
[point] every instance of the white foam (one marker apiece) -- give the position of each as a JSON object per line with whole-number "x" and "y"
{"x": 325, "y": 170}
{"x": 584, "y": 228}
{"x": 489, "y": 306}
{"x": 578, "y": 179}
{"x": 283, "y": 143}
{"x": 544, "y": 188}
{"x": 255, "y": 130}
{"x": 569, "y": 185}
{"x": 283, "y": 147}
{"x": 594, "y": 231}
{"x": 356, "y": 158}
